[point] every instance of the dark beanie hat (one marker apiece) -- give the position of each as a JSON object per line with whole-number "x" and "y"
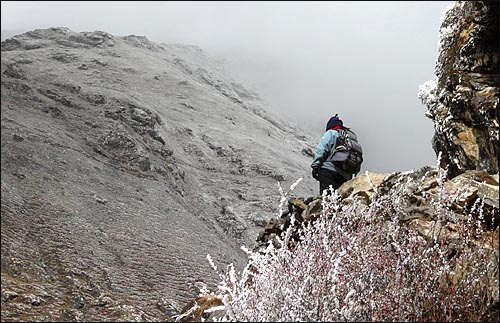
{"x": 334, "y": 121}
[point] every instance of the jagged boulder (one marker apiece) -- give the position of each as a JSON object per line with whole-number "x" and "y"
{"x": 462, "y": 99}
{"x": 361, "y": 187}
{"x": 199, "y": 309}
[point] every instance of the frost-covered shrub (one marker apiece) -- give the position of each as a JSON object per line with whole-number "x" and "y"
{"x": 358, "y": 263}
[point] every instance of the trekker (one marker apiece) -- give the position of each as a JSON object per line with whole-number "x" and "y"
{"x": 324, "y": 170}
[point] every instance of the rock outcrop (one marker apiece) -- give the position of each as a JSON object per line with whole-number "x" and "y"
{"x": 418, "y": 194}
{"x": 463, "y": 98}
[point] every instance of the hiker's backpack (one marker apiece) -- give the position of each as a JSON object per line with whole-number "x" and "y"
{"x": 347, "y": 154}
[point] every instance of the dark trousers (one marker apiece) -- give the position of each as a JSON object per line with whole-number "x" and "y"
{"x": 327, "y": 178}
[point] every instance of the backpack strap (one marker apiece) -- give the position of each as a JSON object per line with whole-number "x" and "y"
{"x": 341, "y": 140}
{"x": 341, "y": 136}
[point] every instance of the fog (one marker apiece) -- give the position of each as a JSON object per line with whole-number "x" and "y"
{"x": 308, "y": 60}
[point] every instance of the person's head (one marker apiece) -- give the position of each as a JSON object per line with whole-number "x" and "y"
{"x": 334, "y": 121}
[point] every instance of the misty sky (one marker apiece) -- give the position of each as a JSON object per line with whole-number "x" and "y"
{"x": 309, "y": 60}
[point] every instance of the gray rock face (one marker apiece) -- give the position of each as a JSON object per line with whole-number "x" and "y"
{"x": 463, "y": 98}
{"x": 124, "y": 163}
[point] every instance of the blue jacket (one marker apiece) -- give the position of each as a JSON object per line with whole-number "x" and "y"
{"x": 325, "y": 146}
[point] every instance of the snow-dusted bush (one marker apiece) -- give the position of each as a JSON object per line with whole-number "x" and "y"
{"x": 358, "y": 263}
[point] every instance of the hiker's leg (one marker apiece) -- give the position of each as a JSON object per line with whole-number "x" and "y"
{"x": 339, "y": 180}
{"x": 327, "y": 178}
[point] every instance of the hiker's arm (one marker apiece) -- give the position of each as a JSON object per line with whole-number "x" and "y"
{"x": 324, "y": 147}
